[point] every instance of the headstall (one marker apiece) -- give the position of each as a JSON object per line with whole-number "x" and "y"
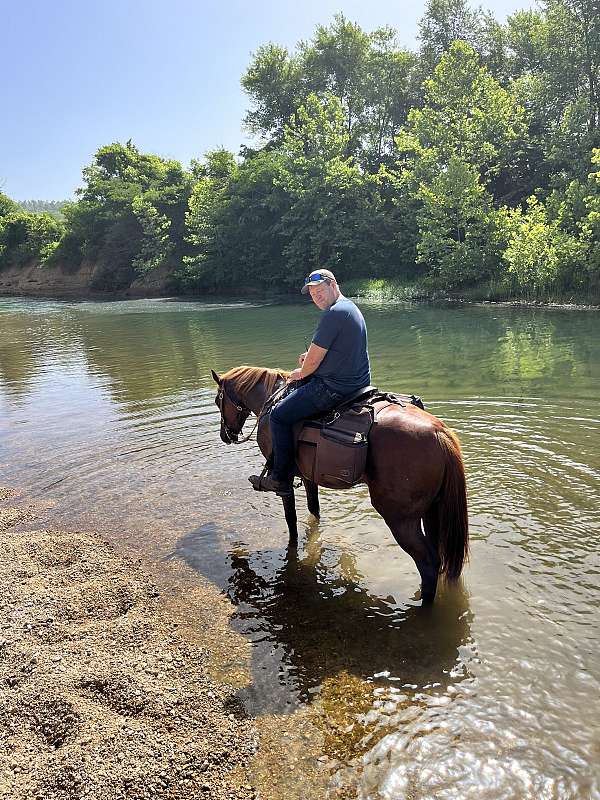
{"x": 231, "y": 435}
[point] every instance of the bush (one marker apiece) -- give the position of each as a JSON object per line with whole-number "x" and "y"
{"x": 26, "y": 237}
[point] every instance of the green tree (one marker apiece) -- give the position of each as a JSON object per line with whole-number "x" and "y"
{"x": 336, "y": 63}
{"x": 445, "y": 22}
{"x": 156, "y": 245}
{"x": 235, "y": 224}
{"x": 457, "y": 224}
{"x": 531, "y": 254}
{"x": 275, "y": 83}
{"x": 467, "y": 115}
{"x": 375, "y": 82}
{"x": 27, "y": 238}
{"x": 591, "y": 223}
{"x": 7, "y": 206}
{"x": 541, "y": 255}
{"x": 390, "y": 91}
{"x": 453, "y": 151}
{"x": 336, "y": 215}
{"x": 555, "y": 54}
{"x": 130, "y": 216}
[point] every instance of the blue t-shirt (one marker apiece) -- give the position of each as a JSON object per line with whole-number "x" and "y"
{"x": 343, "y": 333}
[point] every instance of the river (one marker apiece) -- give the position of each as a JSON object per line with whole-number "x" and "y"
{"x": 107, "y": 416}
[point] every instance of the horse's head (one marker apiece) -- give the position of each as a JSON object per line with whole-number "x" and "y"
{"x": 233, "y": 412}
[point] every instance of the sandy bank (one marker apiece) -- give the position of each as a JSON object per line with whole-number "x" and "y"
{"x": 102, "y": 694}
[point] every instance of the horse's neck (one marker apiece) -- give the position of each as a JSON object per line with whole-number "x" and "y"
{"x": 255, "y": 398}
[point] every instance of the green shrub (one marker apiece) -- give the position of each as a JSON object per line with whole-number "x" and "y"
{"x": 26, "y": 237}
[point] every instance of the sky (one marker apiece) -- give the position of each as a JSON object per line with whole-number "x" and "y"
{"x": 79, "y": 74}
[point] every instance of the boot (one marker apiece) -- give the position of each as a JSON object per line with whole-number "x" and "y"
{"x": 268, "y": 483}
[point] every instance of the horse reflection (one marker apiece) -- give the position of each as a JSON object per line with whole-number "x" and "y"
{"x": 310, "y": 619}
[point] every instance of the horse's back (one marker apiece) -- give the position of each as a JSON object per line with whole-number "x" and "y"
{"x": 405, "y": 458}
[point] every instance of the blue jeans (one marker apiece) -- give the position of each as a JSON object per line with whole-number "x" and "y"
{"x": 311, "y": 397}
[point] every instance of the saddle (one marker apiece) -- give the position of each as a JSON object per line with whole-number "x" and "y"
{"x": 332, "y": 448}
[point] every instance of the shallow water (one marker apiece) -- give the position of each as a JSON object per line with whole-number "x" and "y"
{"x": 106, "y": 410}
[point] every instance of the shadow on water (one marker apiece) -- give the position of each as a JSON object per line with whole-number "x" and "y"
{"x": 310, "y": 618}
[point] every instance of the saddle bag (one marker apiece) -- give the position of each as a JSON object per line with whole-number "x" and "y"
{"x": 333, "y": 452}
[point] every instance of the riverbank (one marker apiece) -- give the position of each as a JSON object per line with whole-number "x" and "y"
{"x": 56, "y": 283}
{"x": 104, "y": 692}
{"x": 392, "y": 290}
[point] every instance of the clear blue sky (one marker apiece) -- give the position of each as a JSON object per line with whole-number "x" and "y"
{"x": 78, "y": 74}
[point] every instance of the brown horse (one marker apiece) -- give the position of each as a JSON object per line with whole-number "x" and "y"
{"x": 414, "y": 472}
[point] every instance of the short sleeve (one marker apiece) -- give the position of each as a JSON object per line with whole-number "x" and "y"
{"x": 328, "y": 329}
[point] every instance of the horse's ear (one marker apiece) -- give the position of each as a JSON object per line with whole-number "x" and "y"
{"x": 216, "y": 378}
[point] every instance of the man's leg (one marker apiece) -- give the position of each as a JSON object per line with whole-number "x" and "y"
{"x": 286, "y": 413}
{"x": 308, "y": 399}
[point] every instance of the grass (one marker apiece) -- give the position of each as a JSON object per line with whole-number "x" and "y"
{"x": 491, "y": 291}
{"x": 385, "y": 289}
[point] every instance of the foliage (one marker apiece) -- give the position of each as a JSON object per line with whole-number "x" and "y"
{"x": 156, "y": 246}
{"x": 384, "y": 290}
{"x": 539, "y": 253}
{"x": 375, "y": 82}
{"x": 467, "y": 115}
{"x": 28, "y": 237}
{"x": 531, "y": 253}
{"x": 457, "y": 225}
{"x": 130, "y": 215}
{"x": 234, "y": 224}
{"x": 336, "y": 215}
{"x": 7, "y": 206}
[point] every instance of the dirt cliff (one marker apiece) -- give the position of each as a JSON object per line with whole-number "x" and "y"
{"x": 35, "y": 281}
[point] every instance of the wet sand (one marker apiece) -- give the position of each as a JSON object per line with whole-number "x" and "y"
{"x": 104, "y": 691}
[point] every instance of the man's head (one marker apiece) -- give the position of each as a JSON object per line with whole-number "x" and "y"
{"x": 323, "y": 288}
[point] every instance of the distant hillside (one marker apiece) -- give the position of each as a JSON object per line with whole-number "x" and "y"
{"x": 37, "y": 206}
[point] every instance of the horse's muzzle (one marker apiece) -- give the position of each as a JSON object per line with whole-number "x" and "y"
{"x": 228, "y": 437}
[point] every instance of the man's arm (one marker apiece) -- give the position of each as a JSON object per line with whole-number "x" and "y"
{"x": 313, "y": 358}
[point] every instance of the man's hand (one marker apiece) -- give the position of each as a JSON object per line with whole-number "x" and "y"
{"x": 309, "y": 362}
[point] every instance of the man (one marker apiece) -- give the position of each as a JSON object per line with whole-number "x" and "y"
{"x": 335, "y": 366}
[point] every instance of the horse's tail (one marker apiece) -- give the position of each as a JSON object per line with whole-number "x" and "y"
{"x": 452, "y": 517}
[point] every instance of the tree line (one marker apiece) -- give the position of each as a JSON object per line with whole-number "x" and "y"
{"x": 473, "y": 160}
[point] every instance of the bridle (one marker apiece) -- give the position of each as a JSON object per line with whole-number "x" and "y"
{"x": 231, "y": 434}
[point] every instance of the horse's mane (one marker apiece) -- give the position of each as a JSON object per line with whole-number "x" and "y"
{"x": 245, "y": 378}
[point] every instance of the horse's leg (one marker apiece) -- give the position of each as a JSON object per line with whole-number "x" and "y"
{"x": 407, "y": 532}
{"x": 431, "y": 525}
{"x": 289, "y": 509}
{"x": 312, "y": 498}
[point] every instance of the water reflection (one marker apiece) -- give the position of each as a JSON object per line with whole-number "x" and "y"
{"x": 447, "y": 352}
{"x": 311, "y": 617}
{"x": 146, "y": 356}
